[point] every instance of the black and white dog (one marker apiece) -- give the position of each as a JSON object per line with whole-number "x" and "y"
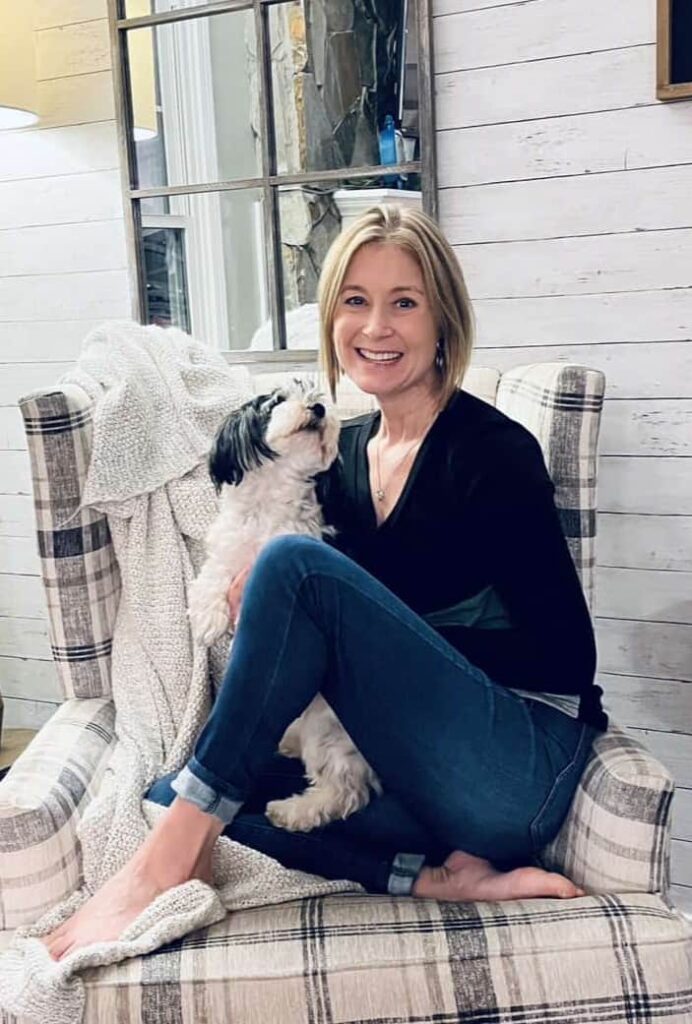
{"x": 263, "y": 462}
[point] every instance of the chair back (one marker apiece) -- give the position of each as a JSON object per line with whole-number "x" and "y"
{"x": 559, "y": 403}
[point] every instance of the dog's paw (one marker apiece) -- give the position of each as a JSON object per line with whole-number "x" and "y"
{"x": 297, "y": 813}
{"x": 290, "y": 745}
{"x": 208, "y": 624}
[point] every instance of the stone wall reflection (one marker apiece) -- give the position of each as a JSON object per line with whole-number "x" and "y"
{"x": 339, "y": 75}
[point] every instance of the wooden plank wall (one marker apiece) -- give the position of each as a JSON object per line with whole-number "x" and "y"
{"x": 62, "y": 270}
{"x": 566, "y": 189}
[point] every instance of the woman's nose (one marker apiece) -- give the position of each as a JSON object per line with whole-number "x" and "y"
{"x": 377, "y": 323}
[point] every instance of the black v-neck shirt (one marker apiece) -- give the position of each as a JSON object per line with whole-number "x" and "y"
{"x": 477, "y": 511}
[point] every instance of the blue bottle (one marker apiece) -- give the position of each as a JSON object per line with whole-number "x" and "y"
{"x": 387, "y": 139}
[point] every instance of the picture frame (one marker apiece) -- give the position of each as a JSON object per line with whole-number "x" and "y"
{"x": 674, "y": 49}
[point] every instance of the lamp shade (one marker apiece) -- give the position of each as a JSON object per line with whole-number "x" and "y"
{"x": 18, "y": 103}
{"x": 140, "y": 51}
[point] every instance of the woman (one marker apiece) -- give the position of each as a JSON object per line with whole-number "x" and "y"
{"x": 445, "y": 625}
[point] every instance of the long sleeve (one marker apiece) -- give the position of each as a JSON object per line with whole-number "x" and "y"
{"x": 550, "y": 646}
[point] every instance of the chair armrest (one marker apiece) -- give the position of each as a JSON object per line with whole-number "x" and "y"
{"x": 42, "y": 800}
{"x": 616, "y": 836}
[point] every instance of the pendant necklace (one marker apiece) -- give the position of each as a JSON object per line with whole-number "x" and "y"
{"x": 379, "y": 492}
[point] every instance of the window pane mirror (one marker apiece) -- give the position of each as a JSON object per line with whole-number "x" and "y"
{"x": 253, "y": 131}
{"x": 205, "y": 266}
{"x": 311, "y": 216}
{"x": 340, "y": 75}
{"x": 189, "y": 83}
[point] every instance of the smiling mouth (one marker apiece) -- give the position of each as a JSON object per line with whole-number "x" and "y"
{"x": 378, "y": 357}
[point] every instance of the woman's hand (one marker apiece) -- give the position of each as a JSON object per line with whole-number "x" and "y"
{"x": 235, "y": 592}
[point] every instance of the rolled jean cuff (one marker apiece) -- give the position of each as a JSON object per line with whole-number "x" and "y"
{"x": 405, "y": 870}
{"x": 191, "y": 788}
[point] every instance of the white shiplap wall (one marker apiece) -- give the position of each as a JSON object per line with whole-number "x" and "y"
{"x": 566, "y": 189}
{"x": 62, "y": 270}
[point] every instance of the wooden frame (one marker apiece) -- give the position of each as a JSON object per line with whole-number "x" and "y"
{"x": 665, "y": 89}
{"x": 268, "y": 181}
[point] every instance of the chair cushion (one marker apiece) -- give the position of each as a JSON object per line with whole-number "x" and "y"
{"x": 42, "y": 800}
{"x": 481, "y": 381}
{"x": 369, "y": 959}
{"x": 350, "y": 400}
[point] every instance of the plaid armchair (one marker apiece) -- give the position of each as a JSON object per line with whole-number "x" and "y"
{"x": 620, "y": 954}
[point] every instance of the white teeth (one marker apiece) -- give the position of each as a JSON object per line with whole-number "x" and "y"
{"x": 379, "y": 357}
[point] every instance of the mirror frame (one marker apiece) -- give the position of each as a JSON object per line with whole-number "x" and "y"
{"x": 269, "y": 183}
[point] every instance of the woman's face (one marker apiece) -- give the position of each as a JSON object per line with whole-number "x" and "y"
{"x": 384, "y": 332}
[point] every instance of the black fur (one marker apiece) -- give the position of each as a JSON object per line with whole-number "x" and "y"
{"x": 239, "y": 445}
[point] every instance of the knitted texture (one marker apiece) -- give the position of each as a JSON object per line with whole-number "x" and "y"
{"x": 159, "y": 396}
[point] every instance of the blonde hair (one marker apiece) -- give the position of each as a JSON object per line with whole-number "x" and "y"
{"x": 445, "y": 287}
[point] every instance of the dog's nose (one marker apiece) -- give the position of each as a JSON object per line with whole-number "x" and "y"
{"x": 318, "y": 409}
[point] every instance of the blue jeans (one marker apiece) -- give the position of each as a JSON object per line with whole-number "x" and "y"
{"x": 464, "y": 763}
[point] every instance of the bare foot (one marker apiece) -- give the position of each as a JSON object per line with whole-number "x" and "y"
{"x": 463, "y": 878}
{"x": 178, "y": 849}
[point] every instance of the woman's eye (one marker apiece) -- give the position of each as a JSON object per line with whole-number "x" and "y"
{"x": 355, "y": 300}
{"x": 408, "y": 303}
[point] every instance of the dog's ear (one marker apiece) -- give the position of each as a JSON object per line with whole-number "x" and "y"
{"x": 239, "y": 445}
{"x": 307, "y": 384}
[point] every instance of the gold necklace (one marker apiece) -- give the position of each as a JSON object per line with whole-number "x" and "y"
{"x": 379, "y": 492}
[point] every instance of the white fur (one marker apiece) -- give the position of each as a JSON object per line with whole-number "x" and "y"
{"x": 278, "y": 497}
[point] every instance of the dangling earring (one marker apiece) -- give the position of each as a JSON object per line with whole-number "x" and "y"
{"x": 440, "y": 357}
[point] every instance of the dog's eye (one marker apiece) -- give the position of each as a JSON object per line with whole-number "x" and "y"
{"x": 270, "y": 402}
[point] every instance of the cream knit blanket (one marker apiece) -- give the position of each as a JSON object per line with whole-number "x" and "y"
{"x": 159, "y": 396}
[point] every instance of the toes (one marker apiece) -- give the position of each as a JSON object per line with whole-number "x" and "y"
{"x": 67, "y": 950}
{"x": 54, "y": 949}
{"x": 61, "y": 948}
{"x": 570, "y": 891}
{"x": 59, "y": 940}
{"x": 51, "y": 945}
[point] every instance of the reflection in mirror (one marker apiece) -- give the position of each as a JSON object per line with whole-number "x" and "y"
{"x": 139, "y": 8}
{"x": 344, "y": 95}
{"x": 311, "y": 216}
{"x": 344, "y": 78}
{"x": 203, "y": 256}
{"x": 190, "y": 86}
